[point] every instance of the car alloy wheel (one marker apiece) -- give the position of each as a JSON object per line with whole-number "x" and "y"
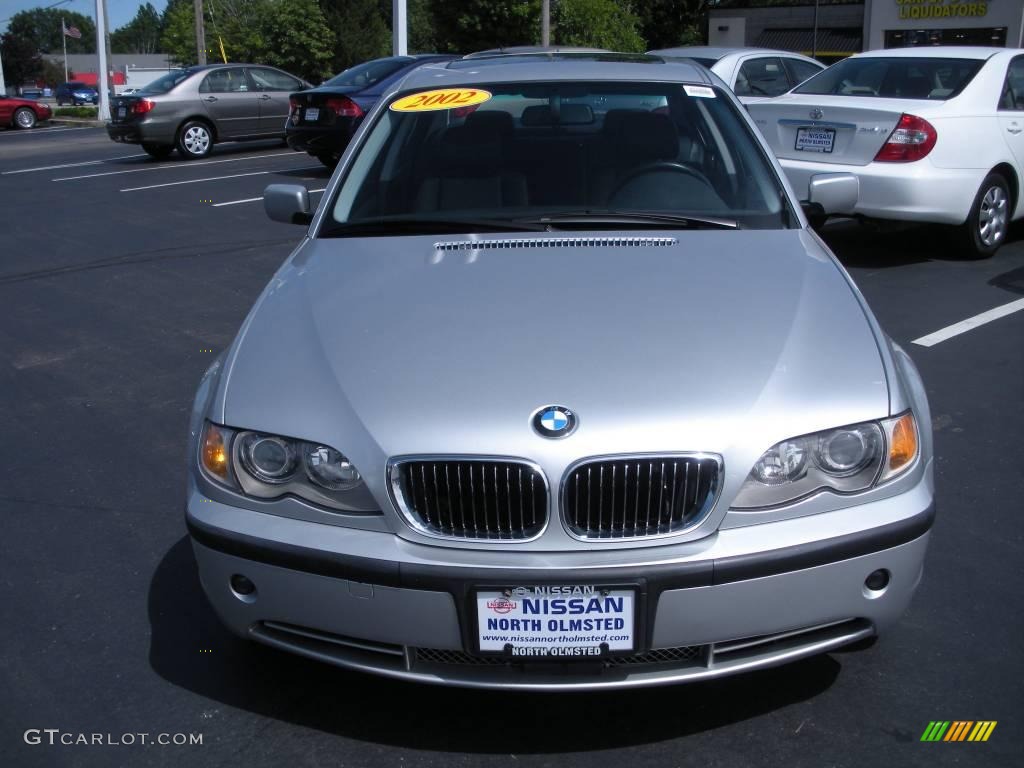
{"x": 993, "y": 216}
{"x": 196, "y": 140}
{"x": 988, "y": 220}
{"x": 25, "y": 118}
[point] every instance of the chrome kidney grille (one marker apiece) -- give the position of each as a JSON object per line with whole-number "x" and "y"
{"x": 482, "y": 499}
{"x": 635, "y": 497}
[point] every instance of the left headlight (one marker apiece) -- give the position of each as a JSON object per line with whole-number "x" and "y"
{"x": 844, "y": 460}
{"x": 271, "y": 466}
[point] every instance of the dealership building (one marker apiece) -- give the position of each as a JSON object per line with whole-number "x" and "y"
{"x": 832, "y": 29}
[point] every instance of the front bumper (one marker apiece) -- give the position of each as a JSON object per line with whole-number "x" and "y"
{"x": 408, "y": 615}
{"x": 901, "y": 191}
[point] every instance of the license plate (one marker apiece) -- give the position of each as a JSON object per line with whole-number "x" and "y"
{"x": 814, "y": 139}
{"x": 312, "y": 114}
{"x": 556, "y": 622}
{"x": 121, "y": 112}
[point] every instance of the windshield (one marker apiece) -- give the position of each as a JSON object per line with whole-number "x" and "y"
{"x": 167, "y": 82}
{"x": 895, "y": 78}
{"x": 371, "y": 72}
{"x": 529, "y": 154}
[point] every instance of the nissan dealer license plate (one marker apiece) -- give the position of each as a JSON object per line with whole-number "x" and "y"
{"x": 312, "y": 114}
{"x": 814, "y": 139}
{"x": 556, "y": 622}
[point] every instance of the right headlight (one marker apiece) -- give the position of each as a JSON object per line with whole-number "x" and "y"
{"x": 844, "y": 460}
{"x": 269, "y": 466}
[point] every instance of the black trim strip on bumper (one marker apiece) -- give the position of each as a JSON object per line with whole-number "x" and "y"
{"x": 663, "y": 576}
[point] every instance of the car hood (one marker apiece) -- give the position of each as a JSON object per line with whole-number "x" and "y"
{"x": 719, "y": 341}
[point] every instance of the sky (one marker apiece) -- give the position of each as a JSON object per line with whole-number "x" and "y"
{"x": 120, "y": 11}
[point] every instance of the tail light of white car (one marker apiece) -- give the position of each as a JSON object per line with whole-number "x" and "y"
{"x": 912, "y": 139}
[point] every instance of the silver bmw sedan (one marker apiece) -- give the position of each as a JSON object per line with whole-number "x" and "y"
{"x": 560, "y": 391}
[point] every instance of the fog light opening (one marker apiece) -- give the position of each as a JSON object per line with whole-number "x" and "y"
{"x": 876, "y": 583}
{"x": 243, "y": 588}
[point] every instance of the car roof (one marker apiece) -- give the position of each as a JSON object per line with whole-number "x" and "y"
{"x": 934, "y": 52}
{"x": 560, "y": 67}
{"x": 711, "y": 52}
{"x": 521, "y": 49}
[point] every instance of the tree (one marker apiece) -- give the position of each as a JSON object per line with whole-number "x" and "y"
{"x": 422, "y": 35}
{"x": 22, "y": 62}
{"x": 670, "y": 23}
{"x": 363, "y": 33}
{"x": 40, "y": 27}
{"x": 474, "y": 25}
{"x": 290, "y": 34}
{"x": 297, "y": 38}
{"x": 597, "y": 24}
{"x": 141, "y": 34}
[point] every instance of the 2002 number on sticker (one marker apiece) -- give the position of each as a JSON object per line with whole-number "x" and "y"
{"x": 444, "y": 98}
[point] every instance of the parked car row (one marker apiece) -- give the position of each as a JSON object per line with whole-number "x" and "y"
{"x": 928, "y": 134}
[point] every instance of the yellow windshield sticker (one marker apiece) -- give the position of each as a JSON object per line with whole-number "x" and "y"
{"x": 444, "y": 98}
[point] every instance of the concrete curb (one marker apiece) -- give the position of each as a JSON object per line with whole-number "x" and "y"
{"x": 79, "y": 121}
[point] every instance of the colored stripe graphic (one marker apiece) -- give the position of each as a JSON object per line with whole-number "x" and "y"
{"x": 982, "y": 730}
{"x": 958, "y": 730}
{"x": 935, "y": 730}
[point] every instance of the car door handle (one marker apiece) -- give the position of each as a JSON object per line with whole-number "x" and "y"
{"x": 210, "y": 98}
{"x": 1014, "y": 128}
{"x": 264, "y": 97}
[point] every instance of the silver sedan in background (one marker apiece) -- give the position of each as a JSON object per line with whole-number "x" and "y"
{"x": 559, "y": 391}
{"x": 194, "y": 108}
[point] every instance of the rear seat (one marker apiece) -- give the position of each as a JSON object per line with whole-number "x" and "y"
{"x": 472, "y": 169}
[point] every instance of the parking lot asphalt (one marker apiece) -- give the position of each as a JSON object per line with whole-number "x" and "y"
{"x": 121, "y": 277}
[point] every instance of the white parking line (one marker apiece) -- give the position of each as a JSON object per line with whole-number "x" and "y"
{"x": 255, "y": 199}
{"x": 173, "y": 166}
{"x": 213, "y": 178}
{"x": 972, "y": 322}
{"x": 70, "y": 165}
{"x": 37, "y": 131}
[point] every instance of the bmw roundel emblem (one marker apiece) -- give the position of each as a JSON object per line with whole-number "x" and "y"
{"x": 554, "y": 421}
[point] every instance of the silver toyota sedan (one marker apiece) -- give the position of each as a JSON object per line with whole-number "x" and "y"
{"x": 559, "y": 391}
{"x": 194, "y": 108}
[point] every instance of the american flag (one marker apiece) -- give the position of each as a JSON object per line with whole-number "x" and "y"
{"x": 70, "y": 31}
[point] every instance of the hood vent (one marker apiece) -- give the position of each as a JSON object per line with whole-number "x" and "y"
{"x": 555, "y": 242}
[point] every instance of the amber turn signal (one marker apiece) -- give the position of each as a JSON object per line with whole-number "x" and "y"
{"x": 215, "y": 452}
{"x": 901, "y": 436}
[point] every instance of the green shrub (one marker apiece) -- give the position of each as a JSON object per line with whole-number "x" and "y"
{"x": 86, "y": 112}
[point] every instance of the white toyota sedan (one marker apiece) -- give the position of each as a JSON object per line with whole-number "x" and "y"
{"x": 752, "y": 73}
{"x": 933, "y": 135}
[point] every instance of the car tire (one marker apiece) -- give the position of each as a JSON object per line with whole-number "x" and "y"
{"x": 329, "y": 160}
{"x": 158, "y": 151}
{"x": 195, "y": 140}
{"x": 24, "y": 118}
{"x": 989, "y": 220}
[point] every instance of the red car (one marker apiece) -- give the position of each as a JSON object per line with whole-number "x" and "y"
{"x": 22, "y": 113}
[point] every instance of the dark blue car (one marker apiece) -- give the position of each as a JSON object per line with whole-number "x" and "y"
{"x": 76, "y": 93}
{"x": 322, "y": 120}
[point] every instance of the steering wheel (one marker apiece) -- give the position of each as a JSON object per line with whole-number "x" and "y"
{"x": 661, "y": 165}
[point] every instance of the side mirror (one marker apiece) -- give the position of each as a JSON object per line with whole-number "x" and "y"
{"x": 834, "y": 192}
{"x": 287, "y": 203}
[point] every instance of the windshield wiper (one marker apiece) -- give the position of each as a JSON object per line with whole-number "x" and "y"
{"x": 587, "y": 219}
{"x": 426, "y": 226}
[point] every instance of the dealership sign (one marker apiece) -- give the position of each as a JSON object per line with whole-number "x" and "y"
{"x": 940, "y": 9}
